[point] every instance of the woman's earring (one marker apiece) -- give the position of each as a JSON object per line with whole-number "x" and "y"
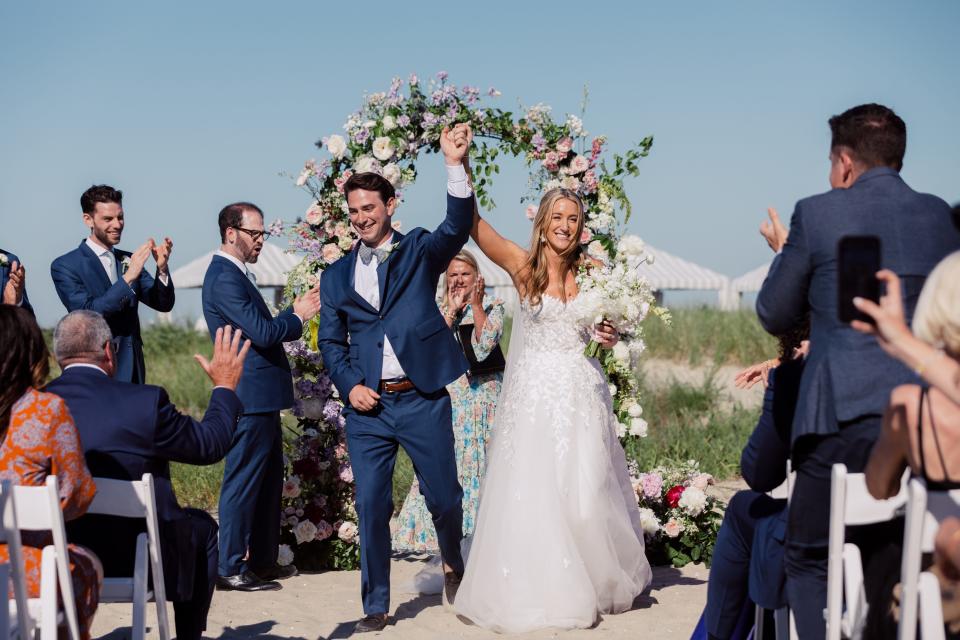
{"x": 542, "y": 238}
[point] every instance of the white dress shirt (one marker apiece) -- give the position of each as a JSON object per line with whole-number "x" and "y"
{"x": 367, "y": 283}
{"x": 109, "y": 261}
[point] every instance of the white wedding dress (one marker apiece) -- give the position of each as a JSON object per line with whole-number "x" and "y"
{"x": 558, "y": 537}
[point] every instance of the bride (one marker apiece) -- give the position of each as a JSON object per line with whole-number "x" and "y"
{"x": 558, "y": 539}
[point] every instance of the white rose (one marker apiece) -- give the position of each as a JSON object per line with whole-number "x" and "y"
{"x": 393, "y": 174}
{"x": 638, "y": 427}
{"x": 613, "y": 389}
{"x": 383, "y": 148}
{"x": 693, "y": 501}
{"x": 596, "y": 250}
{"x": 389, "y": 124}
{"x": 305, "y": 531}
{"x": 635, "y": 410}
{"x": 284, "y": 555}
{"x": 366, "y": 164}
{"x": 314, "y": 214}
{"x": 347, "y": 532}
{"x": 337, "y": 146}
{"x": 621, "y": 430}
{"x": 649, "y": 522}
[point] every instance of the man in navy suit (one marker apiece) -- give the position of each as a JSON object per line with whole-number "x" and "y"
{"x": 253, "y": 475}
{"x": 390, "y": 354}
{"x": 99, "y": 277}
{"x": 848, "y": 378}
{"x": 130, "y": 429}
{"x": 13, "y": 281}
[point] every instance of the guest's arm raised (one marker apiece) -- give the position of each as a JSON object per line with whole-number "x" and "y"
{"x": 782, "y": 300}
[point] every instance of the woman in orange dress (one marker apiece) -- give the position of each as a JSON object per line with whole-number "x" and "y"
{"x": 38, "y": 439}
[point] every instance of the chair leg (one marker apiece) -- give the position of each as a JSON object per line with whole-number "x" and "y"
{"x": 49, "y": 608}
{"x": 931, "y": 610}
{"x": 139, "y": 630}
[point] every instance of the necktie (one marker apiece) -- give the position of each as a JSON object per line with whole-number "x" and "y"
{"x": 366, "y": 253}
{"x": 252, "y": 277}
{"x": 109, "y": 260}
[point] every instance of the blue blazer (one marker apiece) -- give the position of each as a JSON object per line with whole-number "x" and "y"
{"x": 5, "y": 275}
{"x": 229, "y": 298}
{"x": 82, "y": 283}
{"x": 847, "y": 374}
{"x": 130, "y": 429}
{"x": 351, "y": 330}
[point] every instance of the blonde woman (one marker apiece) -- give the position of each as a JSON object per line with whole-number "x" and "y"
{"x": 478, "y": 325}
{"x": 921, "y": 430}
{"x": 558, "y": 540}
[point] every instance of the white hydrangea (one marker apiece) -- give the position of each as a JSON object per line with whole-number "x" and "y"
{"x": 693, "y": 501}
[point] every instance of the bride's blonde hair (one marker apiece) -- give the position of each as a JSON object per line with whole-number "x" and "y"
{"x": 533, "y": 275}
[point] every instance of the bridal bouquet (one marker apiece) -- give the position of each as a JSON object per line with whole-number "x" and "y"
{"x": 680, "y": 519}
{"x": 616, "y": 292}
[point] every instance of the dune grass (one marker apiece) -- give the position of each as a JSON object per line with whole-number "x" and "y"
{"x": 705, "y": 335}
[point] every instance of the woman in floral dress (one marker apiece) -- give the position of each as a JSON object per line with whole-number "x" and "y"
{"x": 38, "y": 439}
{"x": 473, "y": 397}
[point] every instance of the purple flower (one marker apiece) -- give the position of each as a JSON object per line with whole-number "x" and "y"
{"x": 331, "y": 410}
{"x": 361, "y": 136}
{"x": 430, "y": 120}
{"x": 538, "y": 141}
{"x": 413, "y": 79}
{"x": 442, "y": 75}
{"x": 275, "y": 228}
{"x": 403, "y": 120}
{"x": 493, "y": 93}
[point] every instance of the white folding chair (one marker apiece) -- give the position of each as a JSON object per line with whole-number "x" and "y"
{"x": 135, "y": 499}
{"x": 19, "y": 607}
{"x": 38, "y": 509}
{"x": 925, "y": 511}
{"x": 850, "y": 505}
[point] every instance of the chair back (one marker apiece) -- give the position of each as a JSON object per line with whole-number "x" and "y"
{"x": 10, "y": 535}
{"x": 38, "y": 509}
{"x": 925, "y": 511}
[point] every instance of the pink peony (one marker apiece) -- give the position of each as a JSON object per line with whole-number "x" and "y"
{"x": 578, "y": 165}
{"x": 564, "y": 146}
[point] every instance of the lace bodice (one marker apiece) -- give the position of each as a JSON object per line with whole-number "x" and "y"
{"x": 550, "y": 327}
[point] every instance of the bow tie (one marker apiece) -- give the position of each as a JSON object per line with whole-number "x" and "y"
{"x": 366, "y": 253}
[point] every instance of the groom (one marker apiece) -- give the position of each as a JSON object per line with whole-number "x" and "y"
{"x": 390, "y": 354}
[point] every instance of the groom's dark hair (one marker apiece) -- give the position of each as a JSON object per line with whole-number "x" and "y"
{"x": 231, "y": 216}
{"x": 873, "y": 133}
{"x": 369, "y": 181}
{"x": 99, "y": 193}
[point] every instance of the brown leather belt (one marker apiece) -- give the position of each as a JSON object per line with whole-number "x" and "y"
{"x": 396, "y": 386}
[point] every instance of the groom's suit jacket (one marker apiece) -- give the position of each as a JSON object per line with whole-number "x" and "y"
{"x": 351, "y": 330}
{"x": 82, "y": 283}
{"x": 229, "y": 298}
{"x": 5, "y": 275}
{"x": 847, "y": 374}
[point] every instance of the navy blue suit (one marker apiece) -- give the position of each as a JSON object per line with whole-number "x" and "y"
{"x": 130, "y": 429}
{"x": 848, "y": 378}
{"x": 82, "y": 283}
{"x": 253, "y": 473}
{"x": 5, "y": 275}
{"x": 351, "y": 339}
{"x": 748, "y": 556}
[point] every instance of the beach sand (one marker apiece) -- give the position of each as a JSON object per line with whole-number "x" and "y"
{"x": 327, "y": 605}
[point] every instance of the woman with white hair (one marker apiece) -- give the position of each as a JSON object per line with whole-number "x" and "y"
{"x": 477, "y": 322}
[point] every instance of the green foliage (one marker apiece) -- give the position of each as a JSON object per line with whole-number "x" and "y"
{"x": 706, "y": 335}
{"x": 168, "y": 351}
{"x": 197, "y": 486}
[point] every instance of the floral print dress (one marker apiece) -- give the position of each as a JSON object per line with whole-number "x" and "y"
{"x": 474, "y": 401}
{"x": 42, "y": 440}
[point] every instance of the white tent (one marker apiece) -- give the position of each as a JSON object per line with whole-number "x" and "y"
{"x": 751, "y": 281}
{"x": 670, "y": 273}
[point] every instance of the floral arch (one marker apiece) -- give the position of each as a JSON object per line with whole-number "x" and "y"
{"x": 387, "y": 135}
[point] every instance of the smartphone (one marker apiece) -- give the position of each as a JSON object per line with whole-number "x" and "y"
{"x": 858, "y": 260}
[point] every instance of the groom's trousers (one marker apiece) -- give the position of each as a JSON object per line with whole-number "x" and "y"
{"x": 422, "y": 424}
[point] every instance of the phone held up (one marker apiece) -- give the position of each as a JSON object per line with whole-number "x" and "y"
{"x": 858, "y": 260}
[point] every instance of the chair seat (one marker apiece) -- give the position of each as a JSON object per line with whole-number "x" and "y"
{"x": 34, "y": 607}
{"x": 119, "y": 590}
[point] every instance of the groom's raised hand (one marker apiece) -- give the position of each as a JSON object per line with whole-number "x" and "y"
{"x": 455, "y": 143}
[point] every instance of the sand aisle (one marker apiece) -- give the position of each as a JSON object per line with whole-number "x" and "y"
{"x": 327, "y": 605}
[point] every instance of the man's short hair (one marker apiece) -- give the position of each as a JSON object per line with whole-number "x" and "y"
{"x": 369, "y": 181}
{"x": 99, "y": 193}
{"x": 80, "y": 334}
{"x": 231, "y": 216}
{"x": 874, "y": 134}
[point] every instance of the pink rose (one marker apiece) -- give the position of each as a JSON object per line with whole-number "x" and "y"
{"x": 578, "y": 165}
{"x": 331, "y": 252}
{"x": 314, "y": 214}
{"x": 701, "y": 480}
{"x": 672, "y": 528}
{"x": 551, "y": 161}
{"x": 565, "y": 145}
{"x": 347, "y": 532}
{"x": 586, "y": 236}
{"x": 590, "y": 182}
{"x": 531, "y": 212}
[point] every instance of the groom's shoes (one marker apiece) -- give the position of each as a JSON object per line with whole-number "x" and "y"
{"x": 276, "y": 572}
{"x": 372, "y": 622}
{"x": 451, "y": 583}
{"x": 246, "y": 581}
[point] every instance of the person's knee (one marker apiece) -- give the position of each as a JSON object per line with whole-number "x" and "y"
{"x": 374, "y": 505}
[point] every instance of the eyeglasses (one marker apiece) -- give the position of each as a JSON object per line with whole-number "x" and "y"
{"x": 254, "y": 234}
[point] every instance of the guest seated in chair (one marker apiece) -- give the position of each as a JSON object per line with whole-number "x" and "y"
{"x": 130, "y": 429}
{"x": 38, "y": 439}
{"x": 921, "y": 430}
{"x": 748, "y": 557}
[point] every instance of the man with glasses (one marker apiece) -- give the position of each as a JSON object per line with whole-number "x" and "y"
{"x": 99, "y": 277}
{"x": 253, "y": 473}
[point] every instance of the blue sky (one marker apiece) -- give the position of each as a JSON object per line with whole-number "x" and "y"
{"x": 188, "y": 106}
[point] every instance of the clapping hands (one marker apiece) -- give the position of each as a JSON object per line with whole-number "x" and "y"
{"x": 16, "y": 282}
{"x": 455, "y": 143}
{"x": 161, "y": 253}
{"x": 138, "y": 259}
